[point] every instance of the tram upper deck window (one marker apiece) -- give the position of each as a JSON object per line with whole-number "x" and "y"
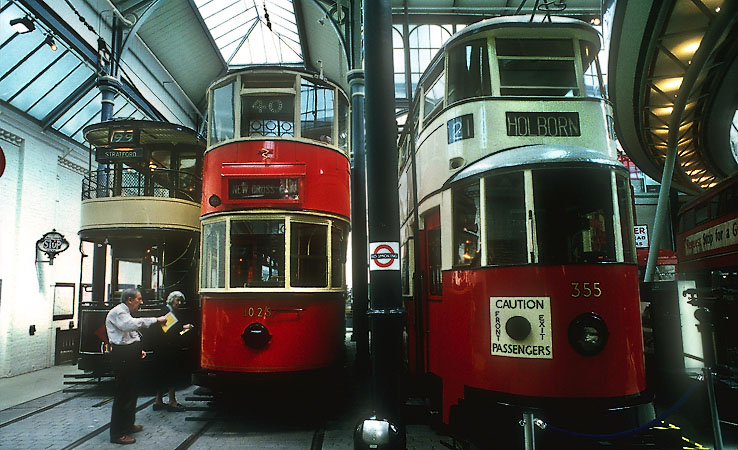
{"x": 468, "y": 71}
{"x": 257, "y": 253}
{"x": 343, "y": 123}
{"x": 308, "y": 256}
{"x": 537, "y": 67}
{"x": 222, "y": 124}
{"x": 269, "y": 115}
{"x": 434, "y": 88}
{"x": 574, "y": 216}
{"x": 212, "y": 262}
{"x": 506, "y": 219}
{"x": 316, "y": 111}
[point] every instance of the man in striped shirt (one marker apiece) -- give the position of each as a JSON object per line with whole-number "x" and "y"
{"x": 123, "y": 334}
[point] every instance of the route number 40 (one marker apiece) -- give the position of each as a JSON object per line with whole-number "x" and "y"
{"x": 586, "y": 289}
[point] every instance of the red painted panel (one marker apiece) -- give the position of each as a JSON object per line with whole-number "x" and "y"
{"x": 460, "y": 331}
{"x": 307, "y": 331}
{"x": 325, "y": 186}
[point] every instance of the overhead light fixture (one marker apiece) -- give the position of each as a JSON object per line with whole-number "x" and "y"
{"x": 50, "y": 42}
{"x": 22, "y": 25}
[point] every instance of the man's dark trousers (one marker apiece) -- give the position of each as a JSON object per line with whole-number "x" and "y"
{"x": 126, "y": 360}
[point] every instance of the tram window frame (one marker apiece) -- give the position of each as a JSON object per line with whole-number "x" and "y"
{"x": 324, "y": 132}
{"x": 433, "y": 256}
{"x": 467, "y": 234}
{"x": 502, "y": 219}
{"x": 222, "y": 117}
{"x": 568, "y": 216}
{"x": 272, "y": 254}
{"x": 431, "y": 85}
{"x": 315, "y": 266}
{"x": 213, "y": 255}
{"x": 714, "y": 206}
{"x": 279, "y": 125}
{"x": 701, "y": 213}
{"x": 590, "y": 62}
{"x": 527, "y": 62}
{"x": 459, "y": 81}
{"x": 344, "y": 119}
{"x": 407, "y": 272}
{"x": 338, "y": 252}
{"x": 625, "y": 202}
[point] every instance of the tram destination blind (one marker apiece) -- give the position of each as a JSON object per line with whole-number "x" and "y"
{"x": 267, "y": 189}
{"x": 554, "y": 124}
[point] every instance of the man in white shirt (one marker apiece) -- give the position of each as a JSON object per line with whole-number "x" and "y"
{"x": 126, "y": 357}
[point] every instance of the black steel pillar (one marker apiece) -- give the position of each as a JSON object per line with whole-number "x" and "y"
{"x": 384, "y": 429}
{"x": 109, "y": 88}
{"x": 418, "y": 275}
{"x": 360, "y": 276}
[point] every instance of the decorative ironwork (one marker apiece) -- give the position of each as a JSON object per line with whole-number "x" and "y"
{"x": 166, "y": 183}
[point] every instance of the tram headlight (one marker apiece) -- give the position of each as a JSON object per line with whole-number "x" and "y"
{"x": 588, "y": 334}
{"x": 256, "y": 336}
{"x": 214, "y": 201}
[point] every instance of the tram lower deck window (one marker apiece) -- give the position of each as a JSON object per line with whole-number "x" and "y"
{"x": 308, "y": 256}
{"x": 506, "y": 219}
{"x": 574, "y": 216}
{"x": 257, "y": 253}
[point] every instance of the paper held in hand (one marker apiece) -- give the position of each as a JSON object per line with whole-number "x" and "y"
{"x": 171, "y": 320}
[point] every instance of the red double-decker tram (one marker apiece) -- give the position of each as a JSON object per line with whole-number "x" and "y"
{"x": 530, "y": 301}
{"x": 275, "y": 223}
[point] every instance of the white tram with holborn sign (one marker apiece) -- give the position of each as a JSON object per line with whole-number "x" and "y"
{"x": 522, "y": 215}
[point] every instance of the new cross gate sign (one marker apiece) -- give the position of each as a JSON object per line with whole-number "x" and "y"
{"x": 384, "y": 256}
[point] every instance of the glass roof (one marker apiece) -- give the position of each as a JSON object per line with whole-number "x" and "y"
{"x": 253, "y": 32}
{"x": 56, "y": 87}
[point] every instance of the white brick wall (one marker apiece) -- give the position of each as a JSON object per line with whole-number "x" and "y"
{"x": 37, "y": 194}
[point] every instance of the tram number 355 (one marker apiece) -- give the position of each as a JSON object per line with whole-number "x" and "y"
{"x": 585, "y": 290}
{"x": 257, "y": 311}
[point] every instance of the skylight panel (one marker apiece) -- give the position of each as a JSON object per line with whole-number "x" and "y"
{"x": 253, "y": 31}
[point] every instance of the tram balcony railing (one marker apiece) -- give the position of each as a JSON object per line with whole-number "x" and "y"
{"x": 164, "y": 183}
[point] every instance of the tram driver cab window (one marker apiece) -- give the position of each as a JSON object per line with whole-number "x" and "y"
{"x": 257, "y": 253}
{"x": 574, "y": 216}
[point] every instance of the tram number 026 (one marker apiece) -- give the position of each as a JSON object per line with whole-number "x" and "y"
{"x": 585, "y": 290}
{"x": 257, "y": 311}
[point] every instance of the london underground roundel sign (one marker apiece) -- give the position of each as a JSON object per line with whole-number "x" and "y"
{"x": 384, "y": 256}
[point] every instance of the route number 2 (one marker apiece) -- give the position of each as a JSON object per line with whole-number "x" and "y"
{"x": 586, "y": 290}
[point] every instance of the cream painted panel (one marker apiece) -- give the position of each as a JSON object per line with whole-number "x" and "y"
{"x": 434, "y": 153}
{"x": 140, "y": 212}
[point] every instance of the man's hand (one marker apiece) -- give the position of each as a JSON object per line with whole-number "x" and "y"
{"x": 161, "y": 319}
{"x": 143, "y": 354}
{"x": 188, "y": 326}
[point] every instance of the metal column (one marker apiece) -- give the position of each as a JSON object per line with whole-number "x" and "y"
{"x": 385, "y": 315}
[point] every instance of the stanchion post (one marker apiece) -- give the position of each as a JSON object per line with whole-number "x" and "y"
{"x": 528, "y": 431}
{"x": 706, "y": 328}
